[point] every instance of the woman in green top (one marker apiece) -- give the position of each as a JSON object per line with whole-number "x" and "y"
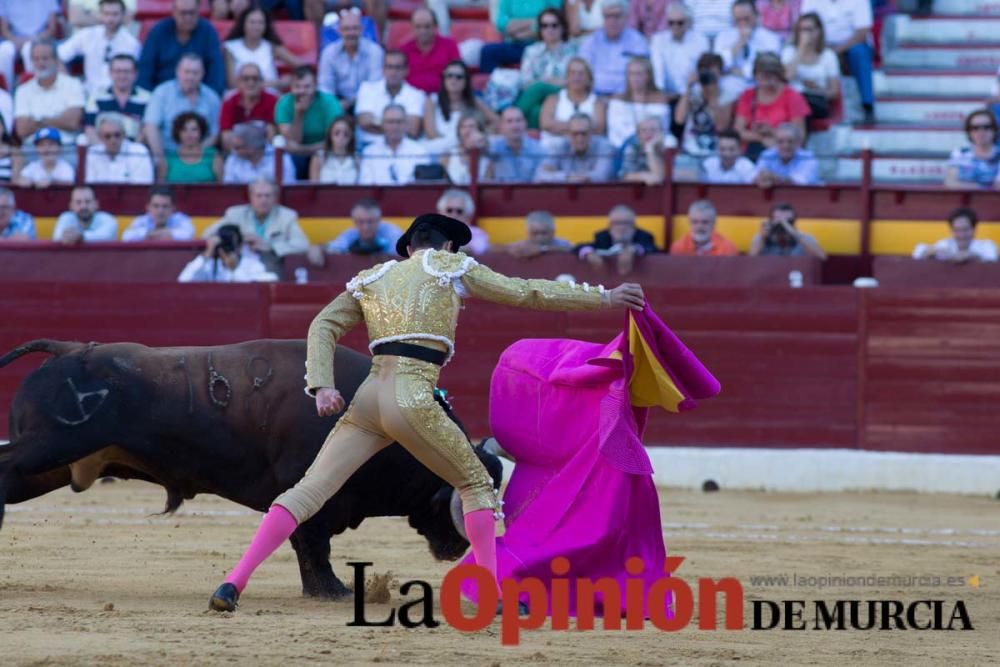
{"x": 192, "y": 162}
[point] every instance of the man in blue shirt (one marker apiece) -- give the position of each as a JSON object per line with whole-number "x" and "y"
{"x": 513, "y": 155}
{"x": 185, "y": 92}
{"x": 370, "y": 235}
{"x": 172, "y": 37}
{"x": 83, "y": 222}
{"x": 787, "y": 162}
{"x": 15, "y": 225}
{"x": 609, "y": 49}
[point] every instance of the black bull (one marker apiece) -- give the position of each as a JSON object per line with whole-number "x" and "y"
{"x": 231, "y": 420}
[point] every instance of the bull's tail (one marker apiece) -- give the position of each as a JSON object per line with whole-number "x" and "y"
{"x": 54, "y": 347}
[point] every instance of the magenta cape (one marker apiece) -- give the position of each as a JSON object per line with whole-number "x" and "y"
{"x": 572, "y": 413}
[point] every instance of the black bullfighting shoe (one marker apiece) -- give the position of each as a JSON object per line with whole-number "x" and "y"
{"x": 224, "y": 598}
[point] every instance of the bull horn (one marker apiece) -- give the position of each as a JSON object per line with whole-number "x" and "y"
{"x": 457, "y": 515}
{"x": 55, "y": 347}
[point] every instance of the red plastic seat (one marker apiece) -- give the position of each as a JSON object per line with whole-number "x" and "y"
{"x": 299, "y": 37}
{"x": 222, "y": 27}
{"x": 469, "y": 13}
{"x": 484, "y": 30}
{"x": 401, "y": 9}
{"x": 397, "y": 34}
{"x": 158, "y": 9}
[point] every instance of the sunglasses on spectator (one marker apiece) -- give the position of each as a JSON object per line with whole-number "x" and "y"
{"x": 458, "y": 210}
{"x": 676, "y": 22}
{"x": 973, "y": 128}
{"x": 549, "y": 25}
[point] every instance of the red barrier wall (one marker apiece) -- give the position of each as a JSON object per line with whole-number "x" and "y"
{"x": 906, "y": 370}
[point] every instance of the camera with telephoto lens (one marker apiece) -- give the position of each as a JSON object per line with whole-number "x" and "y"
{"x": 707, "y": 77}
{"x": 230, "y": 240}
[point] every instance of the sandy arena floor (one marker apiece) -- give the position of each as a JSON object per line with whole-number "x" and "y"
{"x": 92, "y": 579}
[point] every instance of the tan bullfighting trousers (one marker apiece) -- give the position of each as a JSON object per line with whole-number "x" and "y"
{"x": 416, "y": 300}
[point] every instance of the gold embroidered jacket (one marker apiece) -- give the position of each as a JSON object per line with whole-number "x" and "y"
{"x": 419, "y": 298}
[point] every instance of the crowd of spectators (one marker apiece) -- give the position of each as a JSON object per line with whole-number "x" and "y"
{"x": 580, "y": 91}
{"x": 184, "y": 94}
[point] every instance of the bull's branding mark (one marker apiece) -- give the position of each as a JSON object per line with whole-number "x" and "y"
{"x": 256, "y": 404}
{"x": 215, "y": 380}
{"x": 85, "y": 403}
{"x": 668, "y": 603}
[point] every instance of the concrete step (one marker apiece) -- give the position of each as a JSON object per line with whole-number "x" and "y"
{"x": 888, "y": 170}
{"x": 967, "y": 7}
{"x": 983, "y": 59}
{"x": 922, "y": 111}
{"x": 902, "y": 141}
{"x": 932, "y": 83}
{"x": 904, "y": 30}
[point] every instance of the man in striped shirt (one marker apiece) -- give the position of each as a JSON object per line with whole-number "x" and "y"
{"x": 123, "y": 97}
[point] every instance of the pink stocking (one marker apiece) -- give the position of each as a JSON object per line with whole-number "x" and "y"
{"x": 277, "y": 525}
{"x": 480, "y": 526}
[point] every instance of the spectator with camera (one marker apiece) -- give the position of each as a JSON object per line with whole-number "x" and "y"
{"x": 393, "y": 158}
{"x": 269, "y": 229}
{"x": 540, "y": 228}
{"x": 706, "y": 107}
{"x": 15, "y": 225}
{"x": 778, "y": 237}
{"x": 642, "y": 159}
{"x": 728, "y": 165}
{"x": 116, "y": 159}
{"x": 84, "y": 222}
{"x": 622, "y": 240}
{"x": 787, "y": 163}
{"x": 161, "y": 221}
{"x": 226, "y": 260}
{"x": 370, "y": 235}
{"x": 702, "y": 240}
{"x": 962, "y": 246}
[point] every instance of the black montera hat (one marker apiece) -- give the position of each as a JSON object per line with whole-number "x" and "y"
{"x": 455, "y": 230}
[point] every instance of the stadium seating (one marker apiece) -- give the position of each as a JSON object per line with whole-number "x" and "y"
{"x": 935, "y": 70}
